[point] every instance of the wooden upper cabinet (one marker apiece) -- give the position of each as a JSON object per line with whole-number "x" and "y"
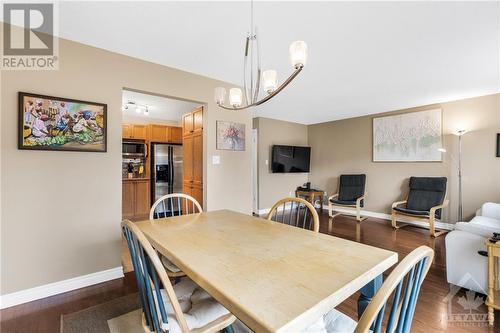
{"x": 130, "y": 131}
{"x": 158, "y": 133}
{"x": 175, "y": 135}
{"x": 126, "y": 131}
{"x": 139, "y": 132}
{"x": 187, "y": 123}
{"x": 198, "y": 119}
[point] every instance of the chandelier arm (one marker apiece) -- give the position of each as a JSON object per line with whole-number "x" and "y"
{"x": 268, "y": 97}
{"x": 245, "y": 65}
{"x": 259, "y": 70}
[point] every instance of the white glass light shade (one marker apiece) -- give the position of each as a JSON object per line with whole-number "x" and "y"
{"x": 269, "y": 80}
{"x": 138, "y": 109}
{"x": 235, "y": 97}
{"x": 298, "y": 53}
{"x": 220, "y": 95}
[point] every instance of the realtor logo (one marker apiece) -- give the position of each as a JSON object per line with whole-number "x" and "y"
{"x": 28, "y": 36}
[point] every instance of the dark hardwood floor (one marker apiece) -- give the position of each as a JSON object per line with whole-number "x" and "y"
{"x": 431, "y": 313}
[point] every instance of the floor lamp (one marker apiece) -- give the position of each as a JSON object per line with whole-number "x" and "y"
{"x": 460, "y": 133}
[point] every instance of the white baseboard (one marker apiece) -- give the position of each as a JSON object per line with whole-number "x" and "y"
{"x": 439, "y": 225}
{"x": 51, "y": 289}
{"x": 384, "y": 216}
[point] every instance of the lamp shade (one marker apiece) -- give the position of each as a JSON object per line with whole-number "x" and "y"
{"x": 235, "y": 97}
{"x": 269, "y": 80}
{"x": 220, "y": 95}
{"x": 298, "y": 53}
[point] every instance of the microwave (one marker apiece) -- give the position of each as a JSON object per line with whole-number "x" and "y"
{"x": 134, "y": 149}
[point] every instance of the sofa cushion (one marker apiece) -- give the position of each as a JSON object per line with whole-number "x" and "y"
{"x": 425, "y": 193}
{"x": 476, "y": 229}
{"x": 491, "y": 209}
{"x": 351, "y": 187}
{"x": 486, "y": 221}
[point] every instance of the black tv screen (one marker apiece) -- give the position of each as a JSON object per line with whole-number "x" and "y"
{"x": 290, "y": 159}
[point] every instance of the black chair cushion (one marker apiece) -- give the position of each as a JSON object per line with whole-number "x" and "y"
{"x": 351, "y": 187}
{"x": 411, "y": 211}
{"x": 425, "y": 193}
{"x": 345, "y": 203}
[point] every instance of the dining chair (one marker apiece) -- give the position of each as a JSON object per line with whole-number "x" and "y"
{"x": 296, "y": 212}
{"x": 184, "y": 307}
{"x": 404, "y": 285}
{"x": 170, "y": 205}
{"x": 174, "y": 204}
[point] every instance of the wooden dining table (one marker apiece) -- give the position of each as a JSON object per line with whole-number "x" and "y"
{"x": 273, "y": 277}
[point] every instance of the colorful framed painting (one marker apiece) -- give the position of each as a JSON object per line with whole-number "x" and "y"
{"x": 408, "y": 137}
{"x": 230, "y": 136}
{"x": 56, "y": 123}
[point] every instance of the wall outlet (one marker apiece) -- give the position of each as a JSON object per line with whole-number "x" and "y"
{"x": 267, "y": 162}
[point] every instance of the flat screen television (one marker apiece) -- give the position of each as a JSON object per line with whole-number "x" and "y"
{"x": 290, "y": 159}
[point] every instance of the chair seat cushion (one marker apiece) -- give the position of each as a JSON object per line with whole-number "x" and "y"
{"x": 337, "y": 322}
{"x": 198, "y": 306}
{"x": 169, "y": 265}
{"x": 343, "y": 202}
{"x": 411, "y": 211}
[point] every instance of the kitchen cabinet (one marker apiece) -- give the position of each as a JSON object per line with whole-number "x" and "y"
{"x": 165, "y": 134}
{"x": 138, "y": 132}
{"x": 193, "y": 153}
{"x": 135, "y": 199}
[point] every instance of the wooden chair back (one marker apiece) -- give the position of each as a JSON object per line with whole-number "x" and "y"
{"x": 296, "y": 212}
{"x": 151, "y": 275}
{"x": 404, "y": 284}
{"x": 174, "y": 204}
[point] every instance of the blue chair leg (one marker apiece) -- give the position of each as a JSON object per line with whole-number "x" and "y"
{"x": 367, "y": 293}
{"x": 228, "y": 329}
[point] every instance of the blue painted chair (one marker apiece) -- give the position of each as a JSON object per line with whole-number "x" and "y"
{"x": 184, "y": 307}
{"x": 404, "y": 285}
{"x": 171, "y": 205}
{"x": 296, "y": 212}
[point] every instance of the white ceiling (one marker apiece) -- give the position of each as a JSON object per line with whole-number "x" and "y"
{"x": 364, "y": 57}
{"x": 161, "y": 108}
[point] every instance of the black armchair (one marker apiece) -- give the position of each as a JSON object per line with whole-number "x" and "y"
{"x": 425, "y": 201}
{"x": 351, "y": 195}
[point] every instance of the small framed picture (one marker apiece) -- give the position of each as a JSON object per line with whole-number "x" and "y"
{"x": 230, "y": 136}
{"x": 56, "y": 123}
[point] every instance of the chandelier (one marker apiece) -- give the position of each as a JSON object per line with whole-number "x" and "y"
{"x": 254, "y": 77}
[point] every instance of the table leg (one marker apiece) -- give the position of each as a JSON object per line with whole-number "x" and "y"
{"x": 367, "y": 293}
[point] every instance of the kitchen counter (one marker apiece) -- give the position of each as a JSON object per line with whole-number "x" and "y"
{"x": 135, "y": 179}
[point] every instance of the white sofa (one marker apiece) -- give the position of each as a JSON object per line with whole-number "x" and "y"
{"x": 464, "y": 266}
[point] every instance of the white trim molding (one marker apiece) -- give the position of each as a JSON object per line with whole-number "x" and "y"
{"x": 51, "y": 289}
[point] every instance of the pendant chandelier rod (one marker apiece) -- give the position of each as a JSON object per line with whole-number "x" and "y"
{"x": 249, "y": 97}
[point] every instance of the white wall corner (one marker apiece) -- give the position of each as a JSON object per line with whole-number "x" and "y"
{"x": 51, "y": 289}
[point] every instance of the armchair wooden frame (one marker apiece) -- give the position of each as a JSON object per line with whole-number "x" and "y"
{"x": 430, "y": 218}
{"x": 356, "y": 207}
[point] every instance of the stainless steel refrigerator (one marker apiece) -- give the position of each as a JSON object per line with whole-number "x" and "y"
{"x": 166, "y": 173}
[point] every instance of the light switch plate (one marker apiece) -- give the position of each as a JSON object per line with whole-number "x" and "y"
{"x": 267, "y": 162}
{"x": 215, "y": 159}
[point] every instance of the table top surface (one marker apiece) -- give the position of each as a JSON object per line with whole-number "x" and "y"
{"x": 272, "y": 276}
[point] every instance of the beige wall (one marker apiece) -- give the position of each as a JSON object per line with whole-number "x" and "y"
{"x": 61, "y": 211}
{"x": 275, "y": 186}
{"x": 345, "y": 146}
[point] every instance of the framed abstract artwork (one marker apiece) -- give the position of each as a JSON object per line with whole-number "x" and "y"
{"x": 56, "y": 123}
{"x": 230, "y": 136}
{"x": 408, "y": 137}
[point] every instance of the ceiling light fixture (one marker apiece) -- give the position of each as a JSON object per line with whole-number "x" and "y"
{"x": 253, "y": 77}
{"x": 139, "y": 108}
